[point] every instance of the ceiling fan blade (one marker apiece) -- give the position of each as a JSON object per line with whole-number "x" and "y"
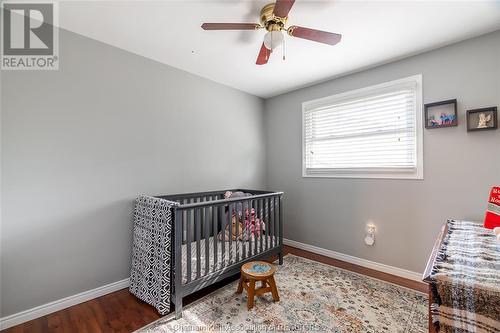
{"x": 314, "y": 35}
{"x": 282, "y": 7}
{"x": 230, "y": 26}
{"x": 263, "y": 56}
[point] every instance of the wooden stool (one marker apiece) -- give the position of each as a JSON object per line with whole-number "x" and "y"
{"x": 257, "y": 271}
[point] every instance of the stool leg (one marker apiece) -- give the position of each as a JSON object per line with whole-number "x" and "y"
{"x": 274, "y": 290}
{"x": 240, "y": 285}
{"x": 251, "y": 293}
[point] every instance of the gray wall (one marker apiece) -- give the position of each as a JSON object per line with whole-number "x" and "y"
{"x": 459, "y": 167}
{"x": 79, "y": 144}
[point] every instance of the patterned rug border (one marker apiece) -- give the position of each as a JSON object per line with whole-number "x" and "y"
{"x": 359, "y": 274}
{"x": 172, "y": 314}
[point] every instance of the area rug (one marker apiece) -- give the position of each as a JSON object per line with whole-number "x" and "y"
{"x": 314, "y": 297}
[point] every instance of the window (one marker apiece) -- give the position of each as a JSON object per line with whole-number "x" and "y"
{"x": 374, "y": 132}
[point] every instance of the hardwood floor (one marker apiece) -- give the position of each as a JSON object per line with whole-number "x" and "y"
{"x": 122, "y": 312}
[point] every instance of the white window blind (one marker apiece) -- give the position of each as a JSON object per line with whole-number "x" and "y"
{"x": 371, "y": 132}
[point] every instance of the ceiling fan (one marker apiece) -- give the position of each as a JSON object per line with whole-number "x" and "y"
{"x": 273, "y": 18}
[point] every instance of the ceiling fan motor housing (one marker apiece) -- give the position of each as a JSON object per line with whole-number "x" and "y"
{"x": 269, "y": 21}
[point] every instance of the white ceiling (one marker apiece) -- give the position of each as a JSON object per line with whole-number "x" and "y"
{"x": 373, "y": 32}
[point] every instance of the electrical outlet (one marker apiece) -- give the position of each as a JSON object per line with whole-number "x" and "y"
{"x": 370, "y": 237}
{"x": 370, "y": 228}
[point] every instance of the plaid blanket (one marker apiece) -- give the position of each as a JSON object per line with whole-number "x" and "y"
{"x": 465, "y": 287}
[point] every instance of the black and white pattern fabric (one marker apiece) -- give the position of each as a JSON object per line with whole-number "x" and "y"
{"x": 151, "y": 252}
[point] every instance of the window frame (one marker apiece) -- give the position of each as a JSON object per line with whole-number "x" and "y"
{"x": 416, "y": 173}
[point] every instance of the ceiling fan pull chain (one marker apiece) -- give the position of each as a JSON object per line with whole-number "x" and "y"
{"x": 283, "y": 50}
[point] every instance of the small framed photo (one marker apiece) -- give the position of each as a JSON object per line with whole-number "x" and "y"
{"x": 441, "y": 114}
{"x": 482, "y": 119}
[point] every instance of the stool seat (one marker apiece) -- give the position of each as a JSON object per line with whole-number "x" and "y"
{"x": 257, "y": 271}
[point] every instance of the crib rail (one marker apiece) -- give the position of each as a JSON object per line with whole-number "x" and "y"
{"x": 202, "y": 255}
{"x": 251, "y": 225}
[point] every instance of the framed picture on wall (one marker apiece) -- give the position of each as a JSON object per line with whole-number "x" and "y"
{"x": 482, "y": 119}
{"x": 441, "y": 114}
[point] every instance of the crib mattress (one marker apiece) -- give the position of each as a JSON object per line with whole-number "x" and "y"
{"x": 223, "y": 258}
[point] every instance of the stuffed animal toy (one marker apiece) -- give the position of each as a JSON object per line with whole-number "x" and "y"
{"x": 250, "y": 226}
{"x": 236, "y": 230}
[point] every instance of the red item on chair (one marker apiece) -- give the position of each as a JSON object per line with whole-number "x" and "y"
{"x": 492, "y": 218}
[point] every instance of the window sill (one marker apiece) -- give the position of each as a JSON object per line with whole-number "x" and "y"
{"x": 393, "y": 175}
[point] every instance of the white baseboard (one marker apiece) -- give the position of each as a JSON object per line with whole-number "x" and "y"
{"x": 45, "y": 309}
{"x": 357, "y": 261}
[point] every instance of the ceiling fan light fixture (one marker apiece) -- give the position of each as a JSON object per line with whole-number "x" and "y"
{"x": 273, "y": 39}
